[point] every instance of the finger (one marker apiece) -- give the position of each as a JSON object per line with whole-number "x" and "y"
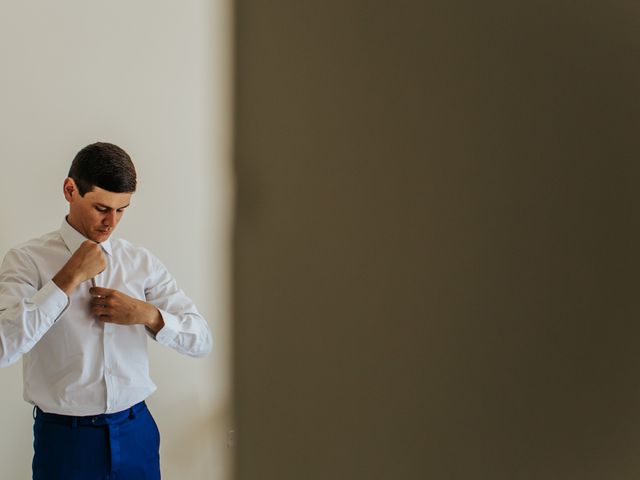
{"x": 100, "y": 291}
{"x": 89, "y": 242}
{"x": 101, "y": 310}
{"x": 100, "y": 301}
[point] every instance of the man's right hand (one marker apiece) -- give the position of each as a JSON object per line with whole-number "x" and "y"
{"x": 85, "y": 263}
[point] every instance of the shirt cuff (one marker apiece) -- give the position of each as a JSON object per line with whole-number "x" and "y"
{"x": 51, "y": 300}
{"x": 167, "y": 334}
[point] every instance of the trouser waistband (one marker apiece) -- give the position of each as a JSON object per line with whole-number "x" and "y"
{"x": 90, "y": 420}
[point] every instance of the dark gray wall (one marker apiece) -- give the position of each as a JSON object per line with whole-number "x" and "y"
{"x": 436, "y": 237}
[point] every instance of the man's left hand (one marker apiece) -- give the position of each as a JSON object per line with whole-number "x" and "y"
{"x": 114, "y": 306}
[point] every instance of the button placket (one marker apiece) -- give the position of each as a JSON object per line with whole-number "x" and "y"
{"x": 107, "y": 338}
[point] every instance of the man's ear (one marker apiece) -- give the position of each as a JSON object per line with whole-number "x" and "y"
{"x": 70, "y": 189}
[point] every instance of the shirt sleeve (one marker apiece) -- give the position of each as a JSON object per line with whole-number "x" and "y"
{"x": 185, "y": 330}
{"x": 26, "y": 311}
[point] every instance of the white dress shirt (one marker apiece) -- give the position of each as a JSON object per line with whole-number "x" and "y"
{"x": 73, "y": 363}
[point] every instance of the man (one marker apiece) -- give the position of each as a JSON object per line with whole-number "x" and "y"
{"x": 77, "y": 306}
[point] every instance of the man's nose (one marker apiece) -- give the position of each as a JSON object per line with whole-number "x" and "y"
{"x": 109, "y": 219}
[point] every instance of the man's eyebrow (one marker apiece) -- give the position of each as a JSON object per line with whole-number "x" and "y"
{"x": 98, "y": 204}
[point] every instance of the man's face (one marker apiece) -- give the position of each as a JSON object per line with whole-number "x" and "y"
{"x": 97, "y": 214}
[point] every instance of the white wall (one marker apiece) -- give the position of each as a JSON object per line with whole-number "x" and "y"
{"x": 154, "y": 78}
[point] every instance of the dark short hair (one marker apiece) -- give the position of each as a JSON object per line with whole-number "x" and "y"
{"x": 103, "y": 165}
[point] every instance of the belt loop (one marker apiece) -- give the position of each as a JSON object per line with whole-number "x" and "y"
{"x": 34, "y": 411}
{"x": 132, "y": 413}
{"x": 74, "y": 422}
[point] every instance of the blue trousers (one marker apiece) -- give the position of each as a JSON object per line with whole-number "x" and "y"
{"x": 116, "y": 446}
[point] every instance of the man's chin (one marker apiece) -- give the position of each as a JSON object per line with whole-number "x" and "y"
{"x": 100, "y": 236}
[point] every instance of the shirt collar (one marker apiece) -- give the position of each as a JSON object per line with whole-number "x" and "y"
{"x": 73, "y": 239}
